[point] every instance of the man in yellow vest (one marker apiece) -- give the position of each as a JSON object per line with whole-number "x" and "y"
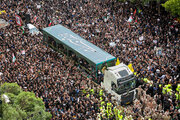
{"x": 145, "y": 80}
{"x": 169, "y": 91}
{"x": 135, "y": 73}
{"x": 109, "y": 105}
{"x": 84, "y": 91}
{"x": 102, "y": 103}
{"x": 120, "y": 116}
{"x": 177, "y": 96}
{"x": 178, "y": 88}
{"x": 115, "y": 110}
{"x": 92, "y": 91}
{"x": 101, "y": 92}
{"x": 87, "y": 95}
{"x": 102, "y": 110}
{"x": 164, "y": 90}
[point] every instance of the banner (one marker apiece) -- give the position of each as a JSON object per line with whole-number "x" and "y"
{"x": 3, "y": 11}
{"x": 18, "y": 20}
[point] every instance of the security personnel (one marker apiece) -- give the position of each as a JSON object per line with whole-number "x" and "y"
{"x": 103, "y": 111}
{"x": 101, "y": 98}
{"x": 84, "y": 91}
{"x": 101, "y": 92}
{"x": 164, "y": 90}
{"x": 169, "y": 86}
{"x": 109, "y": 105}
{"x": 88, "y": 95}
{"x": 135, "y": 73}
{"x": 169, "y": 91}
{"x": 99, "y": 116}
{"x": 102, "y": 103}
{"x": 160, "y": 85}
{"x": 115, "y": 110}
{"x": 92, "y": 91}
{"x": 145, "y": 80}
{"x": 177, "y": 96}
{"x": 151, "y": 83}
{"x": 120, "y": 116}
{"x": 178, "y": 88}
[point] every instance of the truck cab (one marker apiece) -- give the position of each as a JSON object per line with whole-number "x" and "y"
{"x": 120, "y": 82}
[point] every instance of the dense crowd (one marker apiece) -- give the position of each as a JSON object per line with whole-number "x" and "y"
{"x": 59, "y": 83}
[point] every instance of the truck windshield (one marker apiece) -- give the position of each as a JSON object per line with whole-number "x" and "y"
{"x": 125, "y": 86}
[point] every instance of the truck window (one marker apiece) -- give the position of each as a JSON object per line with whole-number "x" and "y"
{"x": 51, "y": 41}
{"x": 123, "y": 73}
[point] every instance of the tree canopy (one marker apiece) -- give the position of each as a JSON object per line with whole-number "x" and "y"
{"x": 21, "y": 105}
{"x": 173, "y": 6}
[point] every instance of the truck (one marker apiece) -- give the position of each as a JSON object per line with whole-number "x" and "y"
{"x": 117, "y": 80}
{"x": 120, "y": 82}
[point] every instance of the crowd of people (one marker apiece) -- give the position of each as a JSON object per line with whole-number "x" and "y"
{"x": 150, "y": 42}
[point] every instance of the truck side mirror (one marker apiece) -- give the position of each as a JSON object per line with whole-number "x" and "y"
{"x": 113, "y": 86}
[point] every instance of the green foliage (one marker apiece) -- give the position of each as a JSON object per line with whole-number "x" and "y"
{"x": 22, "y": 105}
{"x": 143, "y": 2}
{"x": 27, "y": 101}
{"x": 39, "y": 114}
{"x": 173, "y": 6}
{"x": 12, "y": 97}
{"x": 10, "y": 88}
{"x": 10, "y": 113}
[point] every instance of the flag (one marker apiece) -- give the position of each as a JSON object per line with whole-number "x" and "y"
{"x": 23, "y": 52}
{"x": 18, "y": 20}
{"x": 136, "y": 21}
{"x": 139, "y": 11}
{"x": 117, "y": 62}
{"x": 129, "y": 25}
{"x": 14, "y": 58}
{"x": 131, "y": 67}
{"x": 22, "y": 29}
{"x": 35, "y": 18}
{"x": 50, "y": 23}
{"x": 130, "y": 19}
{"x": 134, "y": 12}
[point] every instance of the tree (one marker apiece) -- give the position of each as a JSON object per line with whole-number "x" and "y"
{"x": 146, "y": 2}
{"x": 10, "y": 88}
{"x": 22, "y": 105}
{"x": 173, "y": 6}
